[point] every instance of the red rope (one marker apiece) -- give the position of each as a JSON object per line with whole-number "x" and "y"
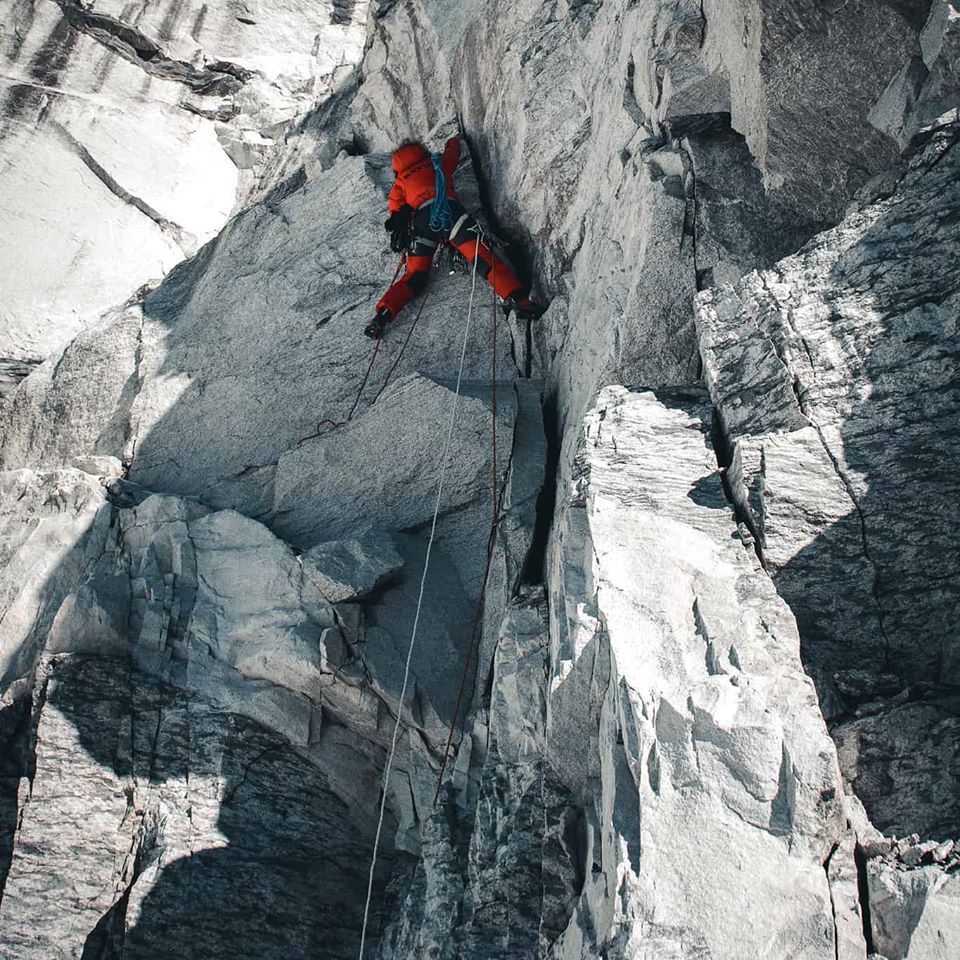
{"x": 396, "y": 362}
{"x": 493, "y": 258}
{"x": 326, "y": 421}
{"x": 336, "y": 424}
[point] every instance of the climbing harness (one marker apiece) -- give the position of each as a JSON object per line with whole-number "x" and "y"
{"x": 416, "y": 619}
{"x": 455, "y": 229}
{"x": 441, "y": 219}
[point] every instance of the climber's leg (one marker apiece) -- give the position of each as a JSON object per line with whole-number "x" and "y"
{"x": 413, "y": 282}
{"x": 465, "y": 236}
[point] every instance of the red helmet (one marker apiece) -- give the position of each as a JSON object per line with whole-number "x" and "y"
{"x": 406, "y": 156}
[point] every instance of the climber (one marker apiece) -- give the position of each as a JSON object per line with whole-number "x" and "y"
{"x": 419, "y": 224}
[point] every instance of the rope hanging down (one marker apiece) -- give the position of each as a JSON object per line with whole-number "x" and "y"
{"x": 416, "y": 619}
{"x": 496, "y": 496}
{"x": 335, "y": 424}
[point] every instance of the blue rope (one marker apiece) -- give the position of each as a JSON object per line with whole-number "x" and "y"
{"x": 441, "y": 219}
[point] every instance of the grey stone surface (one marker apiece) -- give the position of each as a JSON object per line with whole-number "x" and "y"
{"x": 153, "y": 821}
{"x": 385, "y": 466}
{"x": 189, "y": 599}
{"x": 129, "y": 135}
{"x": 923, "y": 96}
{"x": 350, "y": 569}
{"x": 835, "y": 377}
{"x": 203, "y": 637}
{"x": 801, "y": 92}
{"x": 710, "y": 735}
{"x": 914, "y": 912}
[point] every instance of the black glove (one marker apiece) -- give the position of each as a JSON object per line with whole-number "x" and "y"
{"x": 397, "y": 219}
{"x": 398, "y": 226}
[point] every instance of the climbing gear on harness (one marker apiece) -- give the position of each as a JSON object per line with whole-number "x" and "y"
{"x": 451, "y": 260}
{"x": 523, "y": 307}
{"x": 374, "y": 329}
{"x": 441, "y": 219}
{"x": 465, "y": 220}
{"x": 400, "y": 227}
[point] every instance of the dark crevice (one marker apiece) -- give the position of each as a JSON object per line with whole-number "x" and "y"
{"x": 515, "y": 251}
{"x": 833, "y": 905}
{"x": 14, "y": 763}
{"x": 219, "y": 78}
{"x": 106, "y": 940}
{"x": 18, "y": 761}
{"x": 12, "y": 371}
{"x": 630, "y": 103}
{"x": 863, "y": 892}
{"x": 534, "y": 567}
{"x": 723, "y": 449}
{"x": 342, "y": 11}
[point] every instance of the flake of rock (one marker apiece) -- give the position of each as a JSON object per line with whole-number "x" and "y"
{"x": 350, "y": 569}
{"x": 53, "y": 529}
{"x": 801, "y": 95}
{"x": 925, "y": 94}
{"x": 913, "y": 913}
{"x": 943, "y": 850}
{"x": 668, "y": 628}
{"x": 336, "y": 483}
{"x": 828, "y": 373}
{"x": 107, "y": 467}
{"x": 860, "y": 684}
{"x": 879, "y": 847}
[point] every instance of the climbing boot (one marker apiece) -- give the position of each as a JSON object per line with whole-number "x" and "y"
{"x": 375, "y": 328}
{"x": 523, "y": 307}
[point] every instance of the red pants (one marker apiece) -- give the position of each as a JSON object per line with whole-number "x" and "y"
{"x": 414, "y": 281}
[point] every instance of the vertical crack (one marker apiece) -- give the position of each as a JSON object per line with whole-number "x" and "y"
{"x": 833, "y": 905}
{"x": 801, "y": 396}
{"x": 863, "y": 890}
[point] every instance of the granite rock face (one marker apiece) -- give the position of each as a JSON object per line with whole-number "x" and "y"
{"x": 701, "y": 675}
{"x": 709, "y": 734}
{"x": 847, "y": 352}
{"x": 130, "y": 133}
{"x": 155, "y": 622}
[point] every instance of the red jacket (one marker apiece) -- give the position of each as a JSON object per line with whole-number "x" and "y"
{"x": 416, "y": 179}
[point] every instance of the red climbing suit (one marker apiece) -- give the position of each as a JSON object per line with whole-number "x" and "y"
{"x": 415, "y": 181}
{"x": 415, "y": 186}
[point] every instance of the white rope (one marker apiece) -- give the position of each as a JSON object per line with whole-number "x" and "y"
{"x": 416, "y": 619}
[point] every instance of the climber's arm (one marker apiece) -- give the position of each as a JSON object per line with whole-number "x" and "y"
{"x": 397, "y": 197}
{"x": 451, "y": 157}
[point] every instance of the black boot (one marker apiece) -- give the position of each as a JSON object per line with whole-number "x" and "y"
{"x": 374, "y": 329}
{"x": 523, "y": 307}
